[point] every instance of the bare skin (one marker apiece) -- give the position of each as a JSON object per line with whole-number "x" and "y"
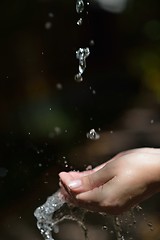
{"x": 117, "y": 185}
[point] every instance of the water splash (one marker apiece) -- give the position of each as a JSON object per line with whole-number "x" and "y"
{"x": 81, "y": 55}
{"x": 56, "y": 210}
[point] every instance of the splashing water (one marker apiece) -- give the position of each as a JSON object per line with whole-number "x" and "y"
{"x": 54, "y": 211}
{"x": 81, "y": 55}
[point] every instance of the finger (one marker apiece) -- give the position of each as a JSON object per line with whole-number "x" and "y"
{"x": 67, "y": 177}
{"x": 95, "y": 179}
{"x": 107, "y": 198}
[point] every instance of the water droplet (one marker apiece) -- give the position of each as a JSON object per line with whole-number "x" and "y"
{"x": 79, "y": 22}
{"x": 92, "y": 43}
{"x": 79, "y": 6}
{"x": 152, "y": 121}
{"x": 57, "y": 130}
{"x": 81, "y": 55}
{"x": 51, "y": 15}
{"x": 93, "y": 135}
{"x": 150, "y": 225}
{"x": 78, "y": 77}
{"x": 59, "y": 86}
{"x": 89, "y": 167}
{"x": 138, "y": 208}
{"x": 104, "y": 227}
{"x": 48, "y": 25}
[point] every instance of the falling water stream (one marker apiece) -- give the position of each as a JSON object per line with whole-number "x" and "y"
{"x": 81, "y": 53}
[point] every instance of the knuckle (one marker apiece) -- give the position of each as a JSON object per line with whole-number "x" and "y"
{"x": 89, "y": 182}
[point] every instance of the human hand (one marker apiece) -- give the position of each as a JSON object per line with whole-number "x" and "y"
{"x": 121, "y": 183}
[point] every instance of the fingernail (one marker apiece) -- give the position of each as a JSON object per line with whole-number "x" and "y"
{"x": 75, "y": 184}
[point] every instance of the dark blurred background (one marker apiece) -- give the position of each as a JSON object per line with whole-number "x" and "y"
{"x": 45, "y": 113}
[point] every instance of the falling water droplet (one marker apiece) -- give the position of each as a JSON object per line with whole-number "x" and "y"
{"x": 152, "y": 121}
{"x": 79, "y": 22}
{"x": 51, "y": 15}
{"x": 59, "y": 86}
{"x": 150, "y": 225}
{"x": 78, "y": 77}
{"x": 92, "y": 43}
{"x": 81, "y": 55}
{"x": 93, "y": 135}
{"x": 48, "y": 25}
{"x": 79, "y": 6}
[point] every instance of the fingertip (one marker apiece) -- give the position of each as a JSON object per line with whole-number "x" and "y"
{"x": 61, "y": 174}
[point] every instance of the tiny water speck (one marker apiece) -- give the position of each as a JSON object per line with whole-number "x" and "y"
{"x": 59, "y": 86}
{"x": 51, "y": 15}
{"x": 104, "y": 227}
{"x": 152, "y": 121}
{"x": 48, "y": 25}
{"x": 92, "y": 43}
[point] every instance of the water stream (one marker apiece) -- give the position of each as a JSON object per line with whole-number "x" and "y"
{"x": 81, "y": 53}
{"x": 56, "y": 210}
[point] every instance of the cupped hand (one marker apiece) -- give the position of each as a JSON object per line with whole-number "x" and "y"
{"x": 117, "y": 185}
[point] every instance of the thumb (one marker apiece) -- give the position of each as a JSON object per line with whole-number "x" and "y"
{"x": 94, "y": 179}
